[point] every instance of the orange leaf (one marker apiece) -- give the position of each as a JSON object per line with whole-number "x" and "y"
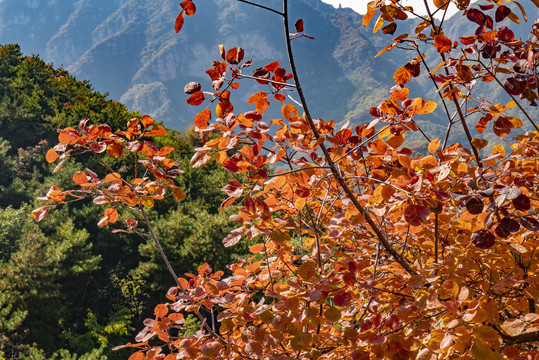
{"x": 112, "y": 215}
{"x": 80, "y": 178}
{"x": 368, "y": 16}
{"x": 178, "y": 194}
{"x": 146, "y": 121}
{"x": 51, "y": 156}
{"x": 259, "y": 96}
{"x": 289, "y": 112}
{"x": 196, "y": 99}
{"x": 378, "y": 25}
{"x": 189, "y": 7}
{"x": 442, "y": 43}
{"x": 202, "y": 119}
{"x": 395, "y": 140}
{"x": 115, "y": 150}
{"x": 257, "y": 249}
{"x": 139, "y": 355}
{"x": 402, "y": 76}
{"x": 113, "y": 177}
{"x": 224, "y": 108}
{"x": 441, "y": 4}
{"x": 160, "y": 310}
{"x": 168, "y": 163}
{"x": 175, "y": 317}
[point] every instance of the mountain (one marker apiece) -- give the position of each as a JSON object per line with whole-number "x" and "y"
{"x": 129, "y": 49}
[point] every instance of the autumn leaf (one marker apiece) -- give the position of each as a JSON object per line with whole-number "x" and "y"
{"x": 196, "y": 98}
{"x": 421, "y": 106}
{"x": 202, "y": 119}
{"x": 402, "y": 76}
{"x": 39, "y": 214}
{"x": 80, "y": 178}
{"x": 442, "y": 44}
{"x": 299, "y": 25}
{"x": 433, "y": 146}
{"x": 178, "y": 24}
{"x": 51, "y": 156}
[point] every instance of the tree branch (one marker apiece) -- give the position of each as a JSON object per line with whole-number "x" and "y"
{"x": 389, "y": 248}
{"x": 261, "y": 6}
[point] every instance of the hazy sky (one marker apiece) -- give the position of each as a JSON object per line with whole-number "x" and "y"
{"x": 361, "y": 5}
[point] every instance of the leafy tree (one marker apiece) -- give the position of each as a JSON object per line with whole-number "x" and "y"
{"x": 360, "y": 247}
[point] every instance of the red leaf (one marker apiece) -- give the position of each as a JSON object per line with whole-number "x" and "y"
{"x": 414, "y": 214}
{"x": 299, "y": 25}
{"x": 483, "y": 239}
{"x": 342, "y": 299}
{"x": 189, "y": 7}
{"x": 134, "y": 146}
{"x": 178, "y": 24}
{"x": 502, "y": 12}
{"x": 280, "y": 97}
{"x": 442, "y": 43}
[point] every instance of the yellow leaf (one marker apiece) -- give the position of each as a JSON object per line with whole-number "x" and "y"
{"x": 511, "y": 104}
{"x": 498, "y": 149}
{"x": 147, "y": 201}
{"x": 384, "y": 133}
{"x": 378, "y": 25}
{"x": 422, "y": 107}
{"x": 300, "y": 203}
{"x": 434, "y": 145}
{"x": 368, "y": 16}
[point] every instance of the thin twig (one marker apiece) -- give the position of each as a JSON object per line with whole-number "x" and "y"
{"x": 261, "y": 6}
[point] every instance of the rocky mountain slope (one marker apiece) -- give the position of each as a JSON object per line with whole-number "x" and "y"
{"x": 129, "y": 49}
